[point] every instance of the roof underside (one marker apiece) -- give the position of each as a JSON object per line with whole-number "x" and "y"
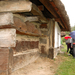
{"x": 54, "y": 9}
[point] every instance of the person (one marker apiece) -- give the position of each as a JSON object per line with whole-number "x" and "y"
{"x": 68, "y": 43}
{"x": 73, "y": 46}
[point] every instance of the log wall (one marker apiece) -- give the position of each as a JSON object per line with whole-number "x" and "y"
{"x": 25, "y": 51}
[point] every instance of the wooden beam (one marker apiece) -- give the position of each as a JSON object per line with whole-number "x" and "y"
{"x": 41, "y": 7}
{"x": 57, "y": 19}
{"x": 6, "y": 19}
{"x": 32, "y": 19}
{"x": 49, "y": 7}
{"x": 28, "y": 18}
{"x": 8, "y": 37}
{"x": 35, "y": 11}
{"x": 15, "y": 6}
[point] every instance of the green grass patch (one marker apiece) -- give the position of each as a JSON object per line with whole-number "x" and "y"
{"x": 65, "y": 47}
{"x": 67, "y": 67}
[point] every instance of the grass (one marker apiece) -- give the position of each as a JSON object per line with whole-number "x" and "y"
{"x": 67, "y": 67}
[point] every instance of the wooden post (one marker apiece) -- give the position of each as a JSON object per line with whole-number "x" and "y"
{"x": 51, "y": 38}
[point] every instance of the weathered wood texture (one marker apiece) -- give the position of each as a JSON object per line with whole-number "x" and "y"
{"x": 44, "y": 25}
{"x": 51, "y": 38}
{"x": 31, "y": 18}
{"x": 4, "y": 61}
{"x": 25, "y": 28}
{"x": 36, "y": 11}
{"x": 25, "y": 58}
{"x": 19, "y": 24}
{"x": 15, "y": 6}
{"x": 28, "y": 18}
{"x": 6, "y": 18}
{"x": 32, "y": 29}
{"x": 10, "y": 60}
{"x": 25, "y": 45}
{"x": 7, "y": 37}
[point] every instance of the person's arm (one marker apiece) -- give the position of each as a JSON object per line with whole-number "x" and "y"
{"x": 71, "y": 43}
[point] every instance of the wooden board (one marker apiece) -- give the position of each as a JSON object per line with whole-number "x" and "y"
{"x": 15, "y": 6}
{"x": 7, "y": 37}
{"x": 6, "y": 19}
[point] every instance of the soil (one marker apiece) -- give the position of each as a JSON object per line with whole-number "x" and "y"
{"x": 42, "y": 66}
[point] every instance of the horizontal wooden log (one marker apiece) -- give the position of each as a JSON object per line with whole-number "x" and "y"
{"x": 15, "y": 6}
{"x": 31, "y": 19}
{"x": 8, "y": 37}
{"x": 6, "y": 18}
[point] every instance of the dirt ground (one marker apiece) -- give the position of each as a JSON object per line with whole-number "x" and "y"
{"x": 42, "y": 66}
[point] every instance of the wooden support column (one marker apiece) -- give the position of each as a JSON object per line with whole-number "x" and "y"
{"x": 51, "y": 38}
{"x": 6, "y": 19}
{"x": 50, "y": 32}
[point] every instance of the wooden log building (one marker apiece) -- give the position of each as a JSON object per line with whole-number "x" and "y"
{"x": 29, "y": 28}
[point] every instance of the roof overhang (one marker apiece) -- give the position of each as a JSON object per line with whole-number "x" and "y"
{"x": 57, "y": 9}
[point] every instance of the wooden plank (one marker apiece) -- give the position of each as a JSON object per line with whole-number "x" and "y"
{"x": 6, "y": 18}
{"x": 35, "y": 11}
{"x": 31, "y": 19}
{"x": 7, "y": 37}
{"x": 15, "y": 6}
{"x": 28, "y": 18}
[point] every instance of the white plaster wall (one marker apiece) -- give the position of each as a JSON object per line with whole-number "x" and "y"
{"x": 57, "y": 35}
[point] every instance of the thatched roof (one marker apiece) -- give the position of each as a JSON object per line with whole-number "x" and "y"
{"x": 63, "y": 12}
{"x": 57, "y": 10}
